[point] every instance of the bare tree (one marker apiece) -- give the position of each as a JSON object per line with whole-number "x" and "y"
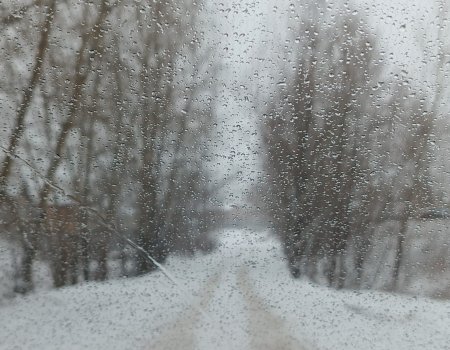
{"x": 27, "y": 96}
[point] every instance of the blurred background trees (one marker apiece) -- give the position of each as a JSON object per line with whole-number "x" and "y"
{"x": 111, "y": 100}
{"x": 346, "y": 151}
{"x": 115, "y": 102}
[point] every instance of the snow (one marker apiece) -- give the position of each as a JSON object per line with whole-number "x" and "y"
{"x": 239, "y": 297}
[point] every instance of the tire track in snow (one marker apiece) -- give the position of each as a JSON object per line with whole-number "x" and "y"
{"x": 181, "y": 333}
{"x": 267, "y": 331}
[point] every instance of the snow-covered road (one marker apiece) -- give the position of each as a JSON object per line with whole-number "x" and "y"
{"x": 228, "y": 313}
{"x": 259, "y": 328}
{"x": 239, "y": 297}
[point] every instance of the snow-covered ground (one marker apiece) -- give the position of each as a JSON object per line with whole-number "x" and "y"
{"x": 240, "y": 297}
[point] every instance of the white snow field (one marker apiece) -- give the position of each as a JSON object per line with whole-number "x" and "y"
{"x": 240, "y": 297}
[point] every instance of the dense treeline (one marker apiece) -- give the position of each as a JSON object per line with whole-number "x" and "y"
{"x": 346, "y": 150}
{"x": 111, "y": 100}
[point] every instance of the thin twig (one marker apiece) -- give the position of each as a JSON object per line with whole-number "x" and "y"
{"x": 103, "y": 222}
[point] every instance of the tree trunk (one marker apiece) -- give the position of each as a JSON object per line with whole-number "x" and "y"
{"x": 27, "y": 96}
{"x": 25, "y": 280}
{"x": 399, "y": 254}
{"x": 29, "y": 248}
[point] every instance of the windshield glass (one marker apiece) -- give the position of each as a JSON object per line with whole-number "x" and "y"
{"x": 224, "y": 175}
